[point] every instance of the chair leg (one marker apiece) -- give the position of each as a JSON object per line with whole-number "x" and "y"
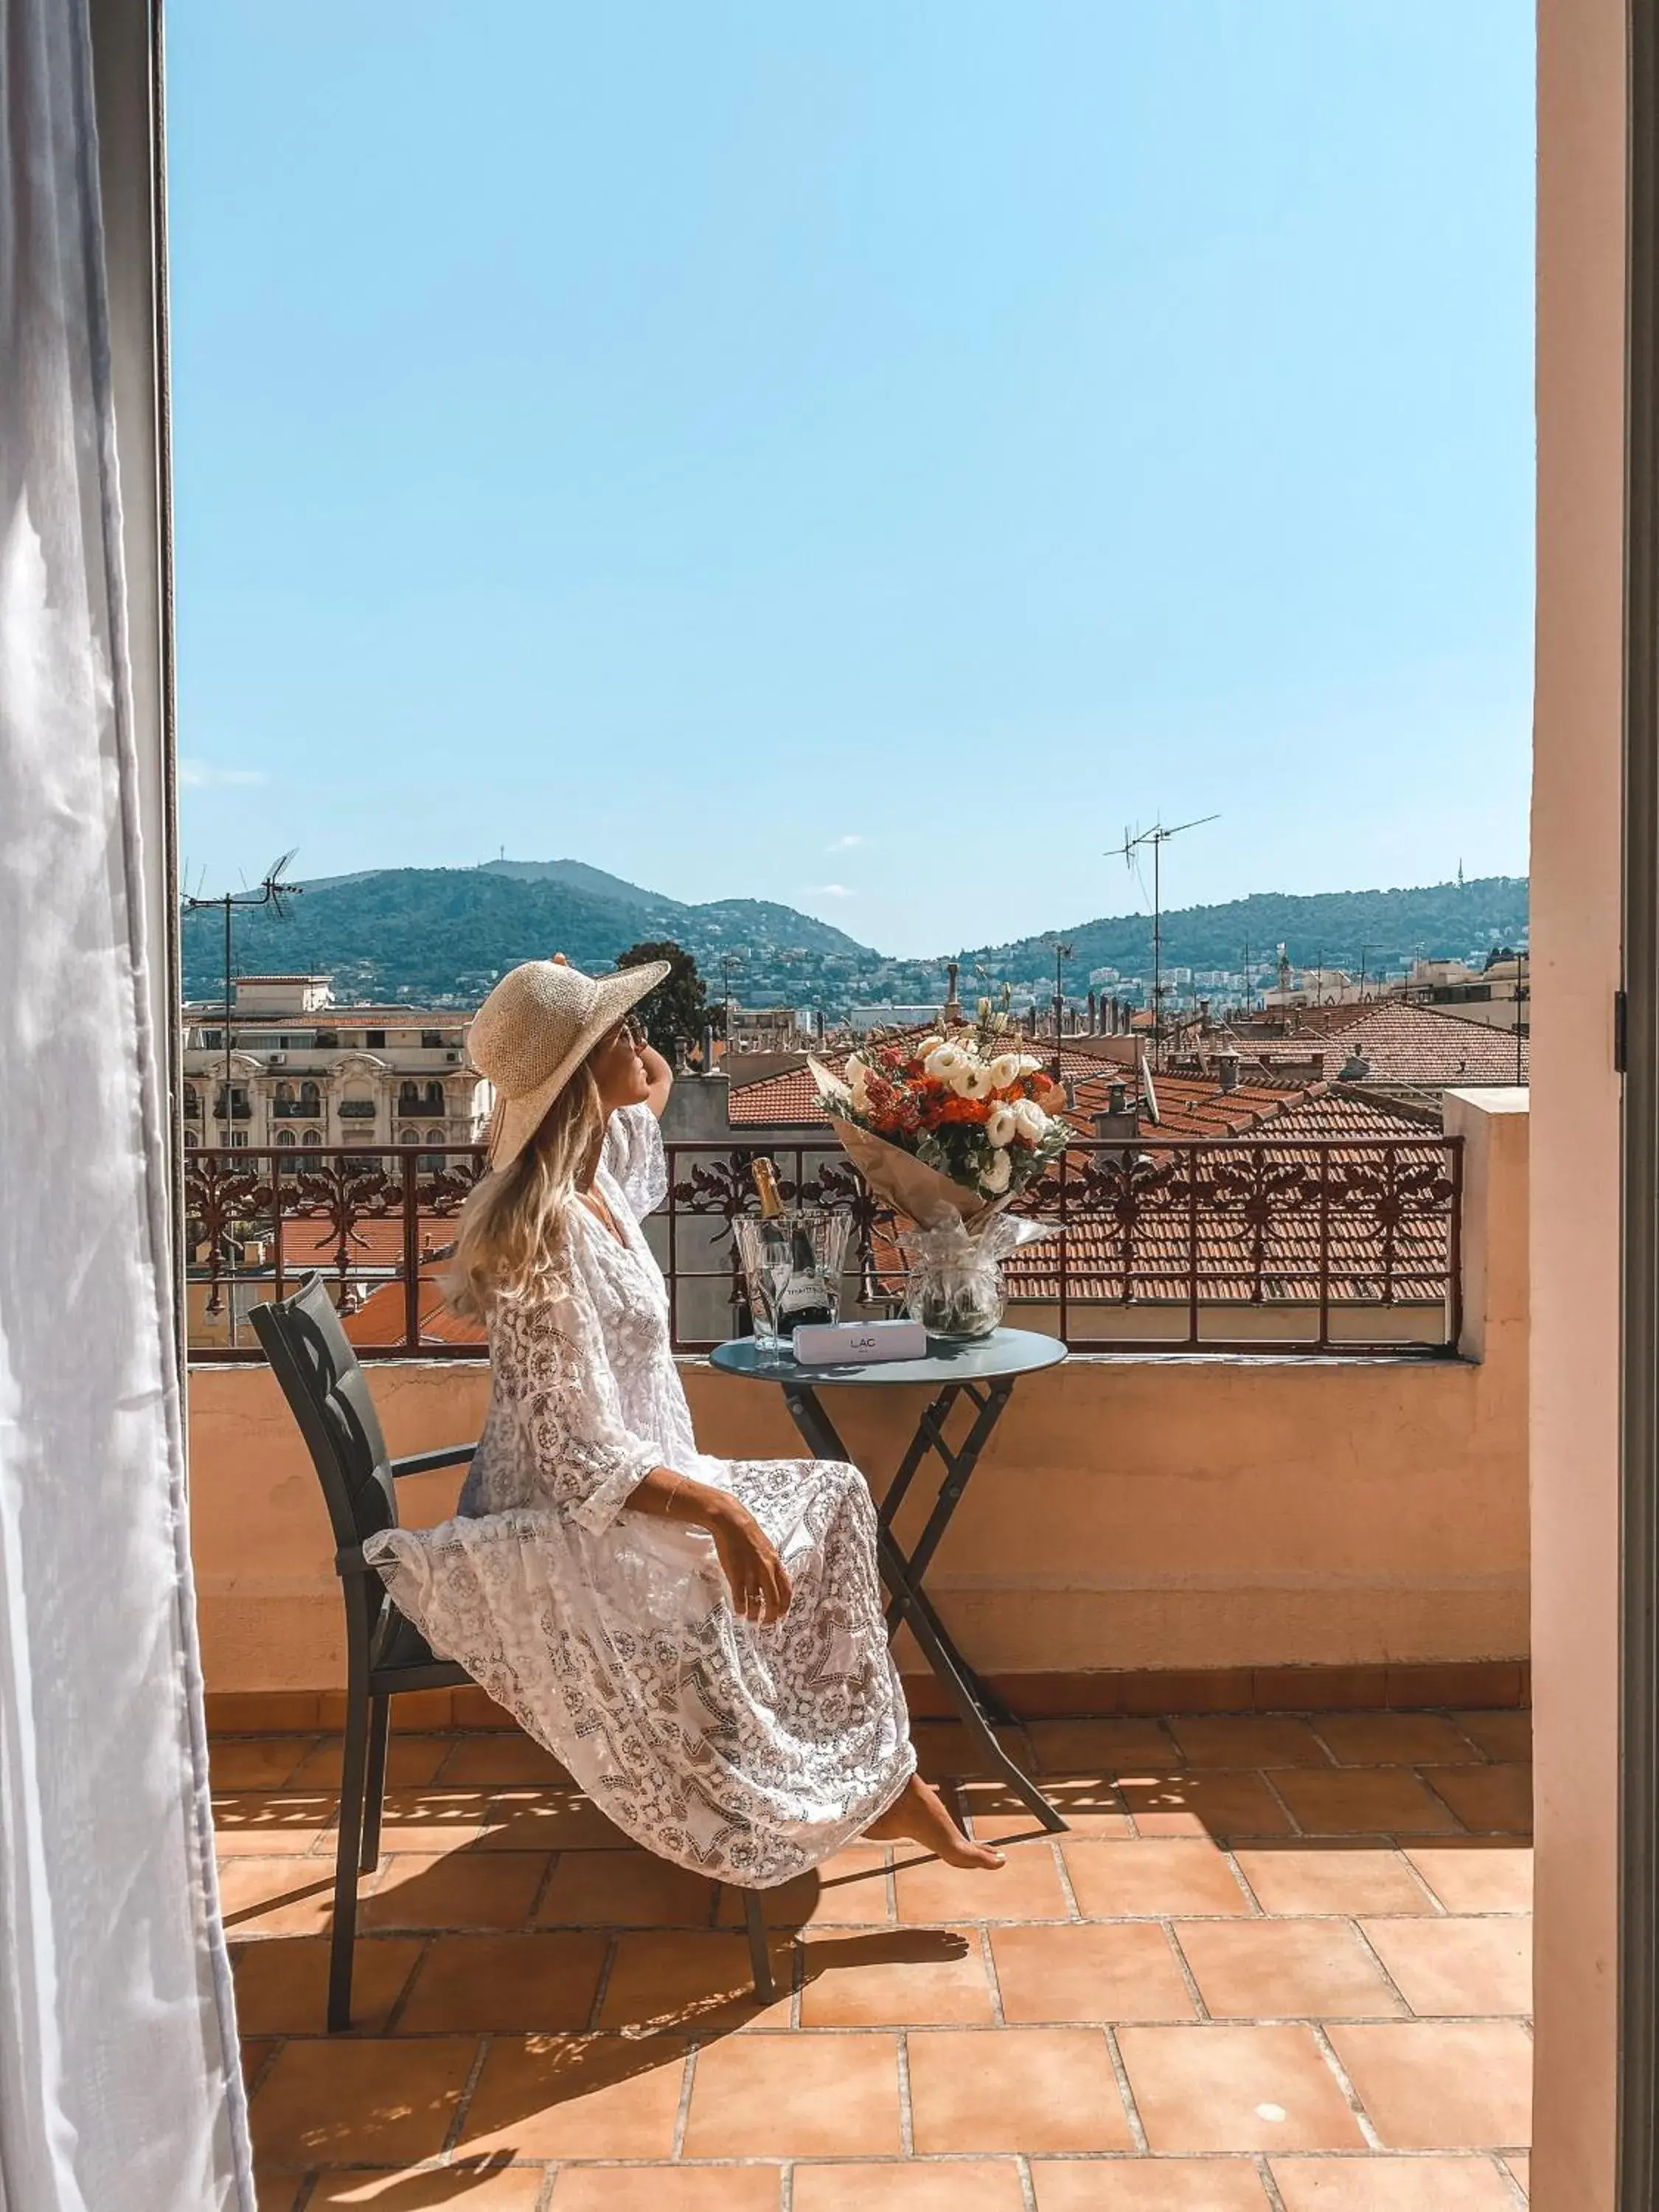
{"x": 380, "y": 1723}
{"x": 760, "y": 1957}
{"x": 347, "y": 1847}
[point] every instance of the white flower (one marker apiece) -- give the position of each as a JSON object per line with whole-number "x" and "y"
{"x": 930, "y": 1044}
{"x": 970, "y": 1081}
{"x": 1028, "y": 1065}
{"x": 1004, "y": 1070}
{"x": 1001, "y": 1124}
{"x": 993, "y": 1180}
{"x": 1029, "y": 1119}
{"x": 856, "y": 1068}
{"x": 942, "y": 1062}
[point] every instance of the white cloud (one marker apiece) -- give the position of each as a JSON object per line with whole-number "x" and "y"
{"x": 844, "y": 844}
{"x": 204, "y": 775}
{"x": 829, "y": 890}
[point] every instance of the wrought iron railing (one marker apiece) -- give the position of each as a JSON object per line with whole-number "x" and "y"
{"x": 1309, "y": 1245}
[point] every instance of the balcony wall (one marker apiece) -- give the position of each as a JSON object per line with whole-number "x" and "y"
{"x": 1163, "y": 1511}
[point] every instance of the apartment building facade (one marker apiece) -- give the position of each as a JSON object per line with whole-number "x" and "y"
{"x": 296, "y": 1069}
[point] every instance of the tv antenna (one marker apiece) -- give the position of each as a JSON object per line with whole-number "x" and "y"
{"x": 1157, "y": 837}
{"x": 271, "y": 894}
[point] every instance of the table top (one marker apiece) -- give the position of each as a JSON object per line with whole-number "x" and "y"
{"x": 1006, "y": 1352}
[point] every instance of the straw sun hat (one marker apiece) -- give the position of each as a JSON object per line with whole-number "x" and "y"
{"x": 533, "y": 1032}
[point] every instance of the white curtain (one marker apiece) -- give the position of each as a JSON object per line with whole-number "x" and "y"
{"x": 119, "y": 2087}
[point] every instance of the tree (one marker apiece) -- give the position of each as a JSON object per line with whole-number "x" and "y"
{"x": 677, "y": 1012}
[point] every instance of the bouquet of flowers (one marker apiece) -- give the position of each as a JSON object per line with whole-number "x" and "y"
{"x": 948, "y": 1130}
{"x": 969, "y": 1108}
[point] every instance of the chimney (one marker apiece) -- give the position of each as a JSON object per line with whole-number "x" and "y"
{"x": 1121, "y": 1119}
{"x": 1226, "y": 1065}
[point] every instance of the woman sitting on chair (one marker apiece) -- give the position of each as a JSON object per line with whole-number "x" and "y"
{"x": 700, "y": 1641}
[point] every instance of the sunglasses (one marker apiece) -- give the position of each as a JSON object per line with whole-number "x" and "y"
{"x": 631, "y": 1030}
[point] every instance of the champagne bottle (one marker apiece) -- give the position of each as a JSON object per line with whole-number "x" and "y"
{"x": 805, "y": 1303}
{"x": 765, "y": 1178}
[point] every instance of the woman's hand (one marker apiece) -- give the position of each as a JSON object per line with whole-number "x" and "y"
{"x": 759, "y": 1583}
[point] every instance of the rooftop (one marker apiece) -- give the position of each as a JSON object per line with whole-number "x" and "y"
{"x": 1278, "y": 1960}
{"x": 1409, "y": 1047}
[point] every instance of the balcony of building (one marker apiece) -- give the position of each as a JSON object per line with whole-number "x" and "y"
{"x": 1251, "y": 1569}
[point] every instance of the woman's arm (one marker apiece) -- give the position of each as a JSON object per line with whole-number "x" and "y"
{"x": 661, "y": 1077}
{"x": 756, "y": 1576}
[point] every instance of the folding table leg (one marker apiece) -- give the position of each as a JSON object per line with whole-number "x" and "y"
{"x": 941, "y": 1656}
{"x": 818, "y": 1433}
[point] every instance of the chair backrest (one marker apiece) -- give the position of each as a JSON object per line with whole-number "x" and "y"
{"x": 328, "y": 1392}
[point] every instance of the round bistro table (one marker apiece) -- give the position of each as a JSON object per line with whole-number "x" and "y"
{"x": 984, "y": 1373}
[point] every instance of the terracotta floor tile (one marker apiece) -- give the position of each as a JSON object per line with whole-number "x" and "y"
{"x": 265, "y": 1824}
{"x": 944, "y": 1749}
{"x": 493, "y": 1755}
{"x": 281, "y": 1983}
{"x": 1285, "y": 1970}
{"x": 1362, "y": 1800}
{"x": 1090, "y": 1804}
{"x": 1451, "y": 1966}
{"x": 482, "y": 1890}
{"x": 254, "y": 2050}
{"x": 1430, "y": 2085}
{"x": 1477, "y": 1877}
{"x": 334, "y": 2101}
{"x": 549, "y": 1820}
{"x": 277, "y": 2192}
{"x": 1312, "y": 1877}
{"x": 1157, "y": 1874}
{"x": 1027, "y": 1887}
{"x": 1144, "y": 2184}
{"x": 498, "y": 1983}
{"x": 1099, "y": 1971}
{"x": 1019, "y": 2090}
{"x": 284, "y": 1896}
{"x": 898, "y": 1977}
{"x": 430, "y": 1819}
{"x": 795, "y": 2096}
{"x": 1501, "y": 1735}
{"x": 622, "y": 1889}
{"x": 1236, "y": 2088}
{"x": 410, "y": 1762}
{"x": 847, "y": 1890}
{"x": 1103, "y": 1746}
{"x": 1520, "y": 2164}
{"x": 670, "y": 2189}
{"x": 1194, "y": 1800}
{"x": 1488, "y": 1800}
{"x": 1247, "y": 1739}
{"x": 698, "y": 1982}
{"x": 578, "y": 2096}
{"x": 959, "y": 2185}
{"x": 1390, "y": 1739}
{"x": 1391, "y": 2184}
{"x": 471, "y": 2187}
{"x": 260, "y": 1762}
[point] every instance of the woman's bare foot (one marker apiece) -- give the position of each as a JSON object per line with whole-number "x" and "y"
{"x": 918, "y": 1816}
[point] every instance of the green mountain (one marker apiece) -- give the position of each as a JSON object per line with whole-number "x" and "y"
{"x": 441, "y": 936}
{"x": 1385, "y": 929}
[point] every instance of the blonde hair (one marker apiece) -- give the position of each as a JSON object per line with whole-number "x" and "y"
{"x": 509, "y": 1243}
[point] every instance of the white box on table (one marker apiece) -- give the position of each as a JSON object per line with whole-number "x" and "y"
{"x": 856, "y": 1344}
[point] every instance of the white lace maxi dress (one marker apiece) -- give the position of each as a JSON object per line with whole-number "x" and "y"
{"x": 744, "y": 1753}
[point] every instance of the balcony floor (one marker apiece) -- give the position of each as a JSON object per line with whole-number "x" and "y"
{"x": 1280, "y": 1964}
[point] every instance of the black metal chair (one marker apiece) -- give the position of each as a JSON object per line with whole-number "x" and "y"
{"x": 328, "y": 1392}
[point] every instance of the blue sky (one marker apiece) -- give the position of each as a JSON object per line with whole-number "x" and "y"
{"x": 863, "y": 456}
